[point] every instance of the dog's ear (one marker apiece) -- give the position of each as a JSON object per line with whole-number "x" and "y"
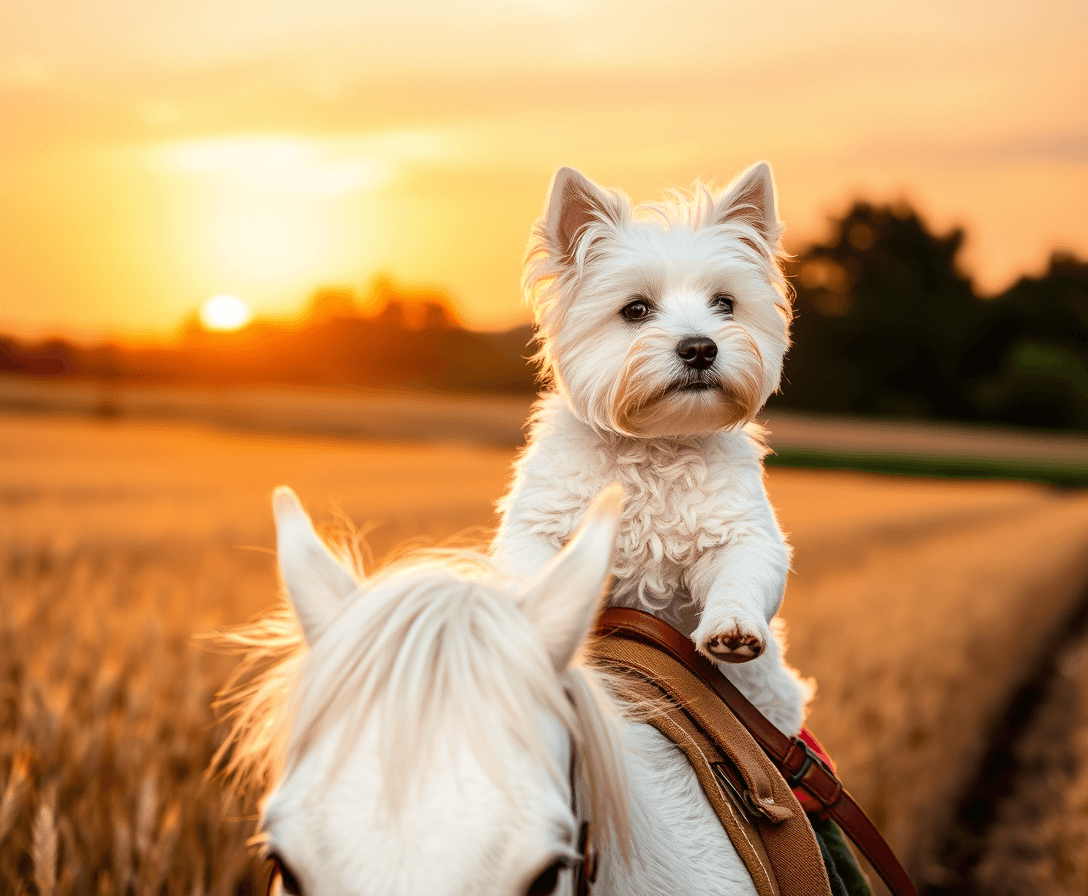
{"x": 314, "y": 578}
{"x": 752, "y": 197}
{"x": 563, "y": 602}
{"x": 573, "y": 202}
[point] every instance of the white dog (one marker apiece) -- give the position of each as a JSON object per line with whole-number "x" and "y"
{"x": 662, "y": 331}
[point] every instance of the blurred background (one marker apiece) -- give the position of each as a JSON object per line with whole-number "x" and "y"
{"x": 342, "y": 172}
{"x": 246, "y": 242}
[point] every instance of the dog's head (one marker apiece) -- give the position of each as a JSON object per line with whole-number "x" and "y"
{"x": 662, "y": 320}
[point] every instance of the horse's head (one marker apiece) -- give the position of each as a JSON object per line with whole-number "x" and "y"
{"x": 434, "y": 720}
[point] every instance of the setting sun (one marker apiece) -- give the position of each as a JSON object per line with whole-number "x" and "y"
{"x": 224, "y": 312}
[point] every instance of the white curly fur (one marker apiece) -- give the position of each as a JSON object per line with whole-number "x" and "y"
{"x": 699, "y": 544}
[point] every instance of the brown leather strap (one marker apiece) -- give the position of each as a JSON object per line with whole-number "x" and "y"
{"x": 797, "y": 765}
{"x": 755, "y": 806}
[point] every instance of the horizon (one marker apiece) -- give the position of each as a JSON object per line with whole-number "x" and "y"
{"x": 365, "y": 303}
{"x": 156, "y": 155}
{"x": 408, "y": 296}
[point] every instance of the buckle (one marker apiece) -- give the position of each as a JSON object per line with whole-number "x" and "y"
{"x": 727, "y": 784}
{"x": 794, "y": 778}
{"x": 746, "y": 801}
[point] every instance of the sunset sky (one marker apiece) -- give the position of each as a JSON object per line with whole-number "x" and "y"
{"x": 154, "y": 153}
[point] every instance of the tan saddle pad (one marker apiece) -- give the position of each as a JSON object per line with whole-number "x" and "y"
{"x": 755, "y": 805}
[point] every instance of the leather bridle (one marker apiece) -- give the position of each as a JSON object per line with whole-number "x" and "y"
{"x": 584, "y": 867}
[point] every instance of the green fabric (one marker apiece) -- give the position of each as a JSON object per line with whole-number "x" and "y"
{"x": 843, "y": 871}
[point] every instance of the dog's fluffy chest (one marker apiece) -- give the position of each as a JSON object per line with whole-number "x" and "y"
{"x": 682, "y": 498}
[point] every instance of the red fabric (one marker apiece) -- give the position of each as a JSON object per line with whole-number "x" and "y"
{"x": 810, "y": 803}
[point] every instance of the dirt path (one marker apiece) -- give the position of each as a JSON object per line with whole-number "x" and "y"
{"x": 1023, "y": 828}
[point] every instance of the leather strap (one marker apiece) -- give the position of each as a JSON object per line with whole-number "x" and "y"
{"x": 756, "y": 807}
{"x": 793, "y": 758}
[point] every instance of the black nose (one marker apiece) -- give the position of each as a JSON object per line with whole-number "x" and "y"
{"x": 697, "y": 352}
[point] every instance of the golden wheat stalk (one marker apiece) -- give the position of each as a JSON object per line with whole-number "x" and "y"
{"x": 122, "y": 849}
{"x": 13, "y": 792}
{"x": 43, "y": 848}
{"x": 146, "y": 806}
{"x": 164, "y": 847}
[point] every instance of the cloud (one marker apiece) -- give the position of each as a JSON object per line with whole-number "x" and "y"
{"x": 315, "y": 166}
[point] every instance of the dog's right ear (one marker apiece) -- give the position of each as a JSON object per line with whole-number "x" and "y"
{"x": 573, "y": 202}
{"x": 316, "y": 582}
{"x": 752, "y": 197}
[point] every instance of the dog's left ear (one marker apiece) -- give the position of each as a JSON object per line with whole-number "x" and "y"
{"x": 573, "y": 202}
{"x": 752, "y": 197}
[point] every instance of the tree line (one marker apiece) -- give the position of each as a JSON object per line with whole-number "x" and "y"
{"x": 887, "y": 324}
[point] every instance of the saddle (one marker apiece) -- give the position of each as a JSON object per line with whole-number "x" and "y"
{"x": 751, "y": 772}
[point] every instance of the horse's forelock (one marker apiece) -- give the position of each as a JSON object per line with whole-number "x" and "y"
{"x": 430, "y": 644}
{"x": 427, "y": 652}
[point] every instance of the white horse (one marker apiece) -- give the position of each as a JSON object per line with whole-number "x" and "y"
{"x": 422, "y": 726}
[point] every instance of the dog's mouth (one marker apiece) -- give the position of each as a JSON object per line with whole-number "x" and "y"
{"x": 691, "y": 387}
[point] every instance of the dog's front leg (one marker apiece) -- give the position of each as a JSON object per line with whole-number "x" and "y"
{"x": 739, "y": 587}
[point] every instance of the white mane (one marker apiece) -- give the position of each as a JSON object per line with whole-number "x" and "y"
{"x": 431, "y": 643}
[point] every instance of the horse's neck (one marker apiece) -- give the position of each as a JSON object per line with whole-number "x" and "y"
{"x": 679, "y": 846}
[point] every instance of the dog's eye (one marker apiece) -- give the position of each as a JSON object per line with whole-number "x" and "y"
{"x": 723, "y": 302}
{"x": 636, "y": 310}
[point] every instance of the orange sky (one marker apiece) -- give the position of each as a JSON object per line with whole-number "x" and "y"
{"x": 157, "y": 152}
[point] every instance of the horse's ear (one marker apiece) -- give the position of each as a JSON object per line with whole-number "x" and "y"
{"x": 564, "y": 601}
{"x": 315, "y": 580}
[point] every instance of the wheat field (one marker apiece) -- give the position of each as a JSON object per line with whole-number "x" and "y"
{"x": 915, "y": 604}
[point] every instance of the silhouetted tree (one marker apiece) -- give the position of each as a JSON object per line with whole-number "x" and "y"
{"x": 332, "y": 302}
{"x": 887, "y": 324}
{"x": 1034, "y": 342}
{"x": 883, "y": 319}
{"x": 53, "y": 357}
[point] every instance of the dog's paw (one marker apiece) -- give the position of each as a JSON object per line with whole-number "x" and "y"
{"x": 733, "y": 646}
{"x": 731, "y": 631}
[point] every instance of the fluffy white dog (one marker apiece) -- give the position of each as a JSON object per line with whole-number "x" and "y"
{"x": 662, "y": 331}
